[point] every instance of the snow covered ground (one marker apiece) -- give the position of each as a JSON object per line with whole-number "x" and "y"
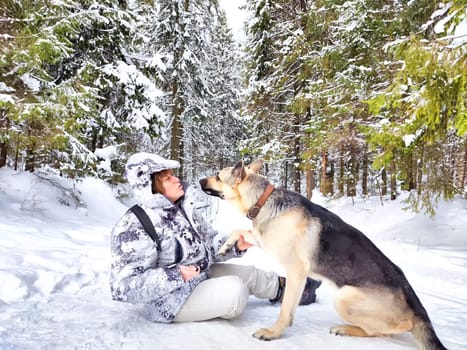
{"x": 54, "y": 267}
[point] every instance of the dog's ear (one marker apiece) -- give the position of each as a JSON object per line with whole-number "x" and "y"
{"x": 256, "y": 165}
{"x": 238, "y": 171}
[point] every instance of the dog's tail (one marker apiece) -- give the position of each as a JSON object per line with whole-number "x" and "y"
{"x": 422, "y": 329}
{"x": 425, "y": 335}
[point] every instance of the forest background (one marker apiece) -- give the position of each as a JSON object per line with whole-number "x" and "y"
{"x": 356, "y": 98}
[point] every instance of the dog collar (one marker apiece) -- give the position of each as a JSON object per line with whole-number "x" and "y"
{"x": 254, "y": 210}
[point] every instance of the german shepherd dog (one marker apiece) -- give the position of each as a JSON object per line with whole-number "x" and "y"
{"x": 373, "y": 297}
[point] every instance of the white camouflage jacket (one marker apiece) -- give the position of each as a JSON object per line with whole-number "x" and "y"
{"x": 142, "y": 274}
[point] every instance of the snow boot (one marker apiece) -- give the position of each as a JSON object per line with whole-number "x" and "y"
{"x": 308, "y": 295}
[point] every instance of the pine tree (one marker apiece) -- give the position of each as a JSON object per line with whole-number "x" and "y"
{"x": 63, "y": 63}
{"x": 217, "y": 135}
{"x": 197, "y": 78}
{"x": 271, "y": 137}
{"x": 425, "y": 110}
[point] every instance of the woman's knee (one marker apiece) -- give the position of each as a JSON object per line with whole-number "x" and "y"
{"x": 236, "y": 294}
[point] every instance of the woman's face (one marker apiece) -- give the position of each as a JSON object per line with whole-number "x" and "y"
{"x": 172, "y": 187}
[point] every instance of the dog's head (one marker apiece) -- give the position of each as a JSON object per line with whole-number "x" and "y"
{"x": 228, "y": 181}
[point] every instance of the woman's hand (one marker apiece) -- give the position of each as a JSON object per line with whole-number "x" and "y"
{"x": 188, "y": 272}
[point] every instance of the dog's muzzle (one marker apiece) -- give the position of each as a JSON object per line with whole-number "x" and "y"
{"x": 209, "y": 191}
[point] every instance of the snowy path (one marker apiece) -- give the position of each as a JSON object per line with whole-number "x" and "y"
{"x": 78, "y": 314}
{"x": 54, "y": 285}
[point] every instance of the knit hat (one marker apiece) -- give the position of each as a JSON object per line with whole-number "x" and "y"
{"x": 141, "y": 166}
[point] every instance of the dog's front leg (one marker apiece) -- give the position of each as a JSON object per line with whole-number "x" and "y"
{"x": 233, "y": 238}
{"x": 295, "y": 282}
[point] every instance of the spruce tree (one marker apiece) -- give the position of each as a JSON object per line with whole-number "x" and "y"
{"x": 425, "y": 109}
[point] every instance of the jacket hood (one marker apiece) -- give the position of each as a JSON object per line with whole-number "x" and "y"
{"x": 140, "y": 167}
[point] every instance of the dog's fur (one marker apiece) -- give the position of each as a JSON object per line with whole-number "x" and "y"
{"x": 374, "y": 297}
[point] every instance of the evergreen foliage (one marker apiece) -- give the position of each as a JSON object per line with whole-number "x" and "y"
{"x": 363, "y": 83}
{"x": 357, "y": 97}
{"x": 197, "y": 67}
{"x": 88, "y": 82}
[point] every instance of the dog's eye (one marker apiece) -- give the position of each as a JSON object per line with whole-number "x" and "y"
{"x": 218, "y": 178}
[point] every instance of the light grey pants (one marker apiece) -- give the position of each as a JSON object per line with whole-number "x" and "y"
{"x": 226, "y": 293}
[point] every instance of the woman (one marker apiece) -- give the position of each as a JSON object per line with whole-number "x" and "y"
{"x": 181, "y": 280}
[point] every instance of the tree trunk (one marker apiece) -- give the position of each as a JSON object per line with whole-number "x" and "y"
{"x": 393, "y": 180}
{"x": 17, "y": 151}
{"x": 419, "y": 173}
{"x": 365, "y": 172}
{"x": 327, "y": 175}
{"x": 340, "y": 185}
{"x": 4, "y": 124}
{"x": 297, "y": 178}
{"x": 30, "y": 150}
{"x": 411, "y": 172}
{"x": 30, "y": 159}
{"x": 352, "y": 173}
{"x": 297, "y": 154}
{"x": 448, "y": 167}
{"x": 310, "y": 183}
{"x": 93, "y": 144}
{"x": 461, "y": 165}
{"x": 176, "y": 139}
{"x": 384, "y": 180}
{"x": 3, "y": 153}
{"x": 176, "y": 131}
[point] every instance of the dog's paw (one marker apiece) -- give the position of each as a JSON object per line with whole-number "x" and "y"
{"x": 265, "y": 334}
{"x": 337, "y": 330}
{"x": 352, "y": 331}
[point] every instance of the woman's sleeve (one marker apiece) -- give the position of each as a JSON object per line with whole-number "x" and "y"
{"x": 214, "y": 239}
{"x": 134, "y": 277}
